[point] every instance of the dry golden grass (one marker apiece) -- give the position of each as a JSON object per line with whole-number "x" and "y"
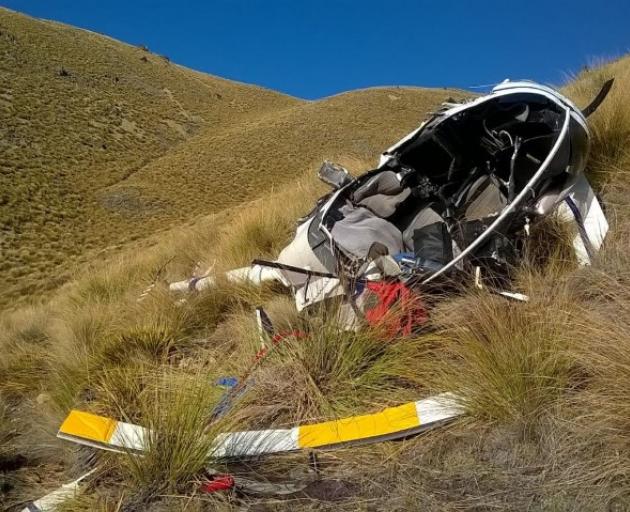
{"x": 546, "y": 385}
{"x": 610, "y": 124}
{"x": 331, "y": 373}
{"x": 103, "y": 144}
{"x": 508, "y": 361}
{"x": 66, "y": 137}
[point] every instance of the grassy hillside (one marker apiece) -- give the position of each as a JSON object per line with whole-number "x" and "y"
{"x": 225, "y": 167}
{"x": 102, "y": 143}
{"x": 545, "y": 384}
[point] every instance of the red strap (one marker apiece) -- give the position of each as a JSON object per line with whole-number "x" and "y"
{"x": 398, "y": 309}
{"x": 277, "y": 338}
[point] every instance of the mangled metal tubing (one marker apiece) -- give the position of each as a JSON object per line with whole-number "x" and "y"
{"x": 512, "y": 206}
{"x": 523, "y": 148}
{"x": 254, "y": 274}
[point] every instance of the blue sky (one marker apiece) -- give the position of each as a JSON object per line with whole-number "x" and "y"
{"x": 312, "y": 49}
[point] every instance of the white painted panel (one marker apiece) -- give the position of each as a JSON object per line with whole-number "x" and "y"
{"x": 255, "y": 442}
{"x": 129, "y": 437}
{"x": 438, "y": 408}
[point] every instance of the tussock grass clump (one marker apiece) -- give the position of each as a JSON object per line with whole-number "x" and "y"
{"x": 603, "y": 348}
{"x": 8, "y": 430}
{"x": 111, "y": 284}
{"x": 106, "y": 349}
{"x": 610, "y": 125}
{"x": 155, "y": 328}
{"x": 157, "y": 339}
{"x": 177, "y": 409}
{"x": 208, "y": 308}
{"x": 325, "y": 372}
{"x": 21, "y": 369}
{"x": 29, "y": 325}
{"x": 25, "y": 340}
{"x": 508, "y": 362}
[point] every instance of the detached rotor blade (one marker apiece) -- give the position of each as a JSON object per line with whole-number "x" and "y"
{"x": 601, "y": 96}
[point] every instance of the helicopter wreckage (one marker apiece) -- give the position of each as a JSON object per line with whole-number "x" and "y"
{"x": 453, "y": 201}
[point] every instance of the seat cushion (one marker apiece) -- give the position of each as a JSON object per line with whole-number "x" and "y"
{"x": 360, "y": 229}
{"x": 385, "y": 182}
{"x": 385, "y": 205}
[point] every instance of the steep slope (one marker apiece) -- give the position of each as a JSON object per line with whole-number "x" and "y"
{"x": 79, "y": 112}
{"x": 102, "y": 143}
{"x": 545, "y": 383}
{"x": 221, "y": 168}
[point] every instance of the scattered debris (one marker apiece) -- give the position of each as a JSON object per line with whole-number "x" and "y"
{"x": 52, "y": 500}
{"x": 452, "y": 202}
{"x": 218, "y": 482}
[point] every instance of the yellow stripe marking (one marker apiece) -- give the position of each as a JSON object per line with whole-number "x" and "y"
{"x": 381, "y": 423}
{"x": 88, "y": 426}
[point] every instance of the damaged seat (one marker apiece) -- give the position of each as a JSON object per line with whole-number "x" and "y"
{"x": 427, "y": 237}
{"x": 382, "y": 194}
{"x": 483, "y": 199}
{"x": 360, "y": 229}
